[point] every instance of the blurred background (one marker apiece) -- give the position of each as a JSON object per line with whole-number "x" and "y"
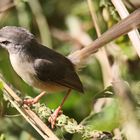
{"x": 66, "y": 26}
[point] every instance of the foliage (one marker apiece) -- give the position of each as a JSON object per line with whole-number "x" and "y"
{"x": 70, "y": 125}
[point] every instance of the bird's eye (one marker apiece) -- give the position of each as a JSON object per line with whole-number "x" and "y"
{"x": 5, "y": 42}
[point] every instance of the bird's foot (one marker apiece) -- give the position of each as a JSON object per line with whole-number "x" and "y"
{"x": 53, "y": 117}
{"x": 30, "y": 101}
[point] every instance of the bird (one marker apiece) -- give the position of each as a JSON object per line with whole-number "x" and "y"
{"x": 39, "y": 66}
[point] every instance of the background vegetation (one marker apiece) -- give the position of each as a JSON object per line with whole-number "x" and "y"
{"x": 66, "y": 26}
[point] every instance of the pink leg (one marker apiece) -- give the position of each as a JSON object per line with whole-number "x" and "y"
{"x": 34, "y": 100}
{"x": 57, "y": 112}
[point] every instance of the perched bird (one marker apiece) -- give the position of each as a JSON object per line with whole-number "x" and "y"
{"x": 48, "y": 70}
{"x": 39, "y": 66}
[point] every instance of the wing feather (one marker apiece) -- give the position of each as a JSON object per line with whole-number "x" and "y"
{"x": 57, "y": 72}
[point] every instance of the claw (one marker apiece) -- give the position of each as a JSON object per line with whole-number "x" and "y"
{"x": 30, "y": 102}
{"x": 52, "y": 119}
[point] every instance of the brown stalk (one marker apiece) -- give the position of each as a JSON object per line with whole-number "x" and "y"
{"x": 123, "y": 27}
{"x": 27, "y": 113}
{"x": 101, "y": 55}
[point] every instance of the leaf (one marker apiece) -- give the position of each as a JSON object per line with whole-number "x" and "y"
{"x": 106, "y": 120}
{"x": 108, "y": 92}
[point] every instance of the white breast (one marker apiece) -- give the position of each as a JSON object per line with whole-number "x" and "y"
{"x": 26, "y": 71}
{"x": 22, "y": 67}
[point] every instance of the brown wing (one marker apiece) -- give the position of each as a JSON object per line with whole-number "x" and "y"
{"x": 51, "y": 66}
{"x": 59, "y": 72}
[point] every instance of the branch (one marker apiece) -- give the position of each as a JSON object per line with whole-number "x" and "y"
{"x": 41, "y": 22}
{"x": 133, "y": 35}
{"x": 121, "y": 28}
{"x": 27, "y": 113}
{"x": 101, "y": 55}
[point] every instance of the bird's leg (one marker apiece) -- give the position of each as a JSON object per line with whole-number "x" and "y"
{"x": 34, "y": 100}
{"x": 58, "y": 111}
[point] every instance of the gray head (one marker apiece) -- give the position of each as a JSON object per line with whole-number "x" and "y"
{"x": 14, "y": 37}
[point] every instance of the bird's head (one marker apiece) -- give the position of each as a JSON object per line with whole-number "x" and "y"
{"x": 12, "y": 37}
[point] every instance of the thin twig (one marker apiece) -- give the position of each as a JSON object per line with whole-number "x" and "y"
{"x": 133, "y": 35}
{"x": 61, "y": 35}
{"x": 94, "y": 17}
{"x": 28, "y": 114}
{"x": 101, "y": 55}
{"x": 41, "y": 22}
{"x": 121, "y": 28}
{"x": 130, "y": 4}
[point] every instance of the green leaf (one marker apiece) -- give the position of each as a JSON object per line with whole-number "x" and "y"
{"x": 106, "y": 120}
{"x": 108, "y": 92}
